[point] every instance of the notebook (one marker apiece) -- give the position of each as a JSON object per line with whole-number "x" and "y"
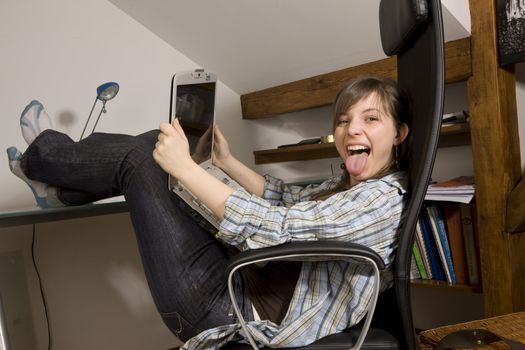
{"x": 193, "y": 102}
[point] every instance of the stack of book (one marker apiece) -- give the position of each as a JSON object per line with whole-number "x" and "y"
{"x": 455, "y": 118}
{"x": 460, "y": 189}
{"x": 446, "y": 245}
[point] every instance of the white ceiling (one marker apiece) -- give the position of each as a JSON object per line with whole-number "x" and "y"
{"x": 256, "y": 44}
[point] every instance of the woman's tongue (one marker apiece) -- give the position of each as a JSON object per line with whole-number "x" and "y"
{"x": 355, "y": 164}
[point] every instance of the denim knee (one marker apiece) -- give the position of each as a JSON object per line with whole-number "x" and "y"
{"x": 181, "y": 328}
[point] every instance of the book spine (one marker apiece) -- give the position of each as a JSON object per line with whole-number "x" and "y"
{"x": 419, "y": 262}
{"x": 414, "y": 269}
{"x": 430, "y": 243}
{"x": 474, "y": 215}
{"x": 440, "y": 225}
{"x": 470, "y": 245}
{"x": 420, "y": 241}
{"x": 439, "y": 245}
{"x": 452, "y": 218}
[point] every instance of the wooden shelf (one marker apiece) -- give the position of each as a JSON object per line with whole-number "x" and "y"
{"x": 454, "y": 135}
{"x": 294, "y": 153}
{"x": 445, "y": 285}
{"x": 451, "y": 136}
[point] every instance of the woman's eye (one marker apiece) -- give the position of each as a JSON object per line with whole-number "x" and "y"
{"x": 371, "y": 118}
{"x": 342, "y": 122}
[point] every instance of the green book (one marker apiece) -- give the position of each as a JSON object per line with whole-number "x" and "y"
{"x": 419, "y": 262}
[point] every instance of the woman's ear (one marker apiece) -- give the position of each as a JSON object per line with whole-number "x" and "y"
{"x": 402, "y": 132}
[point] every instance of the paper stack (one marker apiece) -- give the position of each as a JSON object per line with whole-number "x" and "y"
{"x": 460, "y": 189}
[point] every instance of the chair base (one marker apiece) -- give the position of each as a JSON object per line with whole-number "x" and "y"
{"x": 375, "y": 339}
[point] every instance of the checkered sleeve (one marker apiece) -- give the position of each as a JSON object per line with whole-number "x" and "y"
{"x": 358, "y": 215}
{"x": 278, "y": 193}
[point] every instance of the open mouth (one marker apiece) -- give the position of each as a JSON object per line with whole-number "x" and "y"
{"x": 353, "y": 150}
{"x": 357, "y": 158}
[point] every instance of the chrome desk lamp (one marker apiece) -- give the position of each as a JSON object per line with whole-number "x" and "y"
{"x": 105, "y": 92}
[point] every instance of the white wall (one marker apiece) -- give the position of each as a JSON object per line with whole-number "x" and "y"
{"x": 59, "y": 51}
{"x": 459, "y": 10}
{"x": 21, "y": 299}
{"x": 96, "y": 291}
{"x": 93, "y": 285}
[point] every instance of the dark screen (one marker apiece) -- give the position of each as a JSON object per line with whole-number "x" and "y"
{"x": 195, "y": 109}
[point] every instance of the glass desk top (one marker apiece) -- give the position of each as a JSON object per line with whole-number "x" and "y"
{"x": 36, "y": 215}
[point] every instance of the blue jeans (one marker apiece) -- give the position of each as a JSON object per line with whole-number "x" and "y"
{"x": 183, "y": 262}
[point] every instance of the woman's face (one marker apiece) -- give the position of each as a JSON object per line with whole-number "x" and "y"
{"x": 365, "y": 136}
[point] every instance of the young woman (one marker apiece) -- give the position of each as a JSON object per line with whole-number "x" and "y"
{"x": 184, "y": 263}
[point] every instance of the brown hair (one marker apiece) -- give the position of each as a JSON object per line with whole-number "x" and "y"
{"x": 396, "y": 104}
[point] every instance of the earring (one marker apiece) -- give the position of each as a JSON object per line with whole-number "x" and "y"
{"x": 342, "y": 166}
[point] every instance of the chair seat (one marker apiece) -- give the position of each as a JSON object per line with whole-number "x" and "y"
{"x": 375, "y": 339}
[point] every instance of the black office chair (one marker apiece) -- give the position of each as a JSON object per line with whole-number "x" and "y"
{"x": 412, "y": 30}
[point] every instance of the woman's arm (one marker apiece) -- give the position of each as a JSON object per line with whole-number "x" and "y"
{"x": 173, "y": 155}
{"x": 251, "y": 181}
{"x": 367, "y": 215}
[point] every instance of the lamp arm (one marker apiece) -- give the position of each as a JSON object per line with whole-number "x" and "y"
{"x": 103, "y": 109}
{"x": 89, "y": 117}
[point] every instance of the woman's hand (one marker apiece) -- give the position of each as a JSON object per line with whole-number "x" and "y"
{"x": 221, "y": 149}
{"x": 172, "y": 150}
{"x": 172, "y": 153}
{"x": 246, "y": 177}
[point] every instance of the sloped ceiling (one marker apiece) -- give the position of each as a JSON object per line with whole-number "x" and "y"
{"x": 256, "y": 44}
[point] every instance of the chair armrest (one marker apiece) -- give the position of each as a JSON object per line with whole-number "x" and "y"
{"x": 301, "y": 250}
{"x": 308, "y": 251}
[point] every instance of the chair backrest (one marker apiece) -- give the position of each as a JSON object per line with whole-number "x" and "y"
{"x": 413, "y": 30}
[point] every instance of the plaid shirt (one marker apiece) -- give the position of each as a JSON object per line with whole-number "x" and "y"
{"x": 330, "y": 296}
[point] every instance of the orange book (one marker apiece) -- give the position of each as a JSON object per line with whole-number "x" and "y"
{"x": 452, "y": 217}
{"x": 474, "y": 213}
{"x": 468, "y": 219}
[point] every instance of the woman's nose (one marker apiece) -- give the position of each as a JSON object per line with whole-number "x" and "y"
{"x": 354, "y": 128}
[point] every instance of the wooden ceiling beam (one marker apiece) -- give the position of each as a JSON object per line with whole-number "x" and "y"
{"x": 321, "y": 90}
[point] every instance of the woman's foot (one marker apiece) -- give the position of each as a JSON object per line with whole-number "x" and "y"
{"x": 33, "y": 121}
{"x": 45, "y": 195}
